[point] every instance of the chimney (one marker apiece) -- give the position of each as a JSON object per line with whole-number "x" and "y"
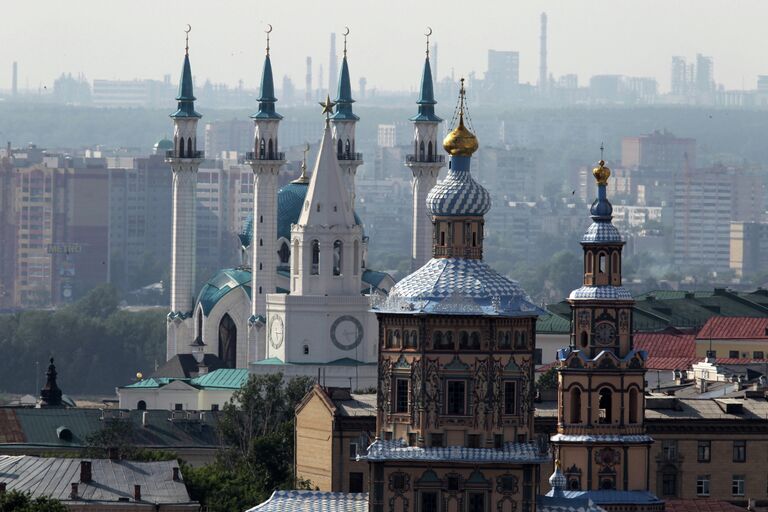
{"x": 73, "y": 493}
{"x": 85, "y": 471}
{"x": 137, "y": 492}
{"x": 176, "y": 475}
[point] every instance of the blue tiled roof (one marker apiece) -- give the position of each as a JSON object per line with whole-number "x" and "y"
{"x": 551, "y": 503}
{"x": 314, "y": 501}
{"x": 602, "y": 438}
{"x": 399, "y": 450}
{"x": 601, "y": 232}
{"x": 613, "y": 497}
{"x": 601, "y": 293}
{"x": 459, "y": 194}
{"x": 221, "y": 284}
{"x": 459, "y": 286}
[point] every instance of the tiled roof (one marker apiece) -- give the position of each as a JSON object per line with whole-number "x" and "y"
{"x": 670, "y": 363}
{"x": 700, "y": 505}
{"x": 720, "y": 327}
{"x": 399, "y": 450}
{"x": 553, "y": 323}
{"x": 563, "y": 504}
{"x": 601, "y": 438}
{"x": 111, "y": 479}
{"x": 614, "y": 497}
{"x": 458, "y": 286}
{"x": 458, "y": 194}
{"x": 314, "y": 501}
{"x": 669, "y": 350}
{"x": 601, "y": 293}
{"x": 601, "y": 232}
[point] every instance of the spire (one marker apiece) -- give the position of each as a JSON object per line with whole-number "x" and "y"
{"x": 267, "y": 99}
{"x": 557, "y": 481}
{"x": 326, "y": 201}
{"x": 303, "y": 178}
{"x": 50, "y": 395}
{"x": 461, "y": 141}
{"x": 601, "y": 209}
{"x": 426, "y": 101}
{"x": 344, "y": 99}
{"x": 186, "y": 99}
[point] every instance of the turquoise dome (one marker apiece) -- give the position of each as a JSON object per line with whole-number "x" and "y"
{"x": 223, "y": 282}
{"x": 162, "y": 146}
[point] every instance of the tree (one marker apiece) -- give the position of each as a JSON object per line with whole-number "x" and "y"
{"x": 23, "y": 502}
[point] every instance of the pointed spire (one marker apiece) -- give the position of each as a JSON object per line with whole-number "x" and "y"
{"x": 186, "y": 98}
{"x": 426, "y": 101}
{"x": 267, "y": 99}
{"x": 303, "y": 178}
{"x": 344, "y": 99}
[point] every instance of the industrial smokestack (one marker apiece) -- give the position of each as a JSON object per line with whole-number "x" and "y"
{"x": 333, "y": 66}
{"x": 433, "y": 63}
{"x": 308, "y": 83}
{"x": 15, "y": 80}
{"x": 543, "y": 74}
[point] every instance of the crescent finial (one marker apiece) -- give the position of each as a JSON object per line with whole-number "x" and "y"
{"x": 345, "y": 34}
{"x": 187, "y": 30}
{"x": 346, "y": 31}
{"x": 268, "y": 30}
{"x": 428, "y": 32}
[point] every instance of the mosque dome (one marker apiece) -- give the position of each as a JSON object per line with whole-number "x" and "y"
{"x": 223, "y": 282}
{"x": 162, "y": 146}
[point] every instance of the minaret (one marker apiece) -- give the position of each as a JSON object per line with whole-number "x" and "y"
{"x": 327, "y": 241}
{"x": 601, "y": 439}
{"x": 265, "y": 160}
{"x": 185, "y": 160}
{"x": 425, "y": 164}
{"x": 343, "y": 123}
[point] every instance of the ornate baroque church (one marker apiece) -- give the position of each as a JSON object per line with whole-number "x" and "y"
{"x": 300, "y": 300}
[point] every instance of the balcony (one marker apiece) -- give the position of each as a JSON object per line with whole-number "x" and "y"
{"x": 430, "y": 159}
{"x": 276, "y": 156}
{"x": 172, "y": 153}
{"x": 349, "y": 157}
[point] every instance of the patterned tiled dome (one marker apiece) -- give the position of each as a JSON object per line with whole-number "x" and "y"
{"x": 459, "y": 194}
{"x": 601, "y": 232}
{"x": 461, "y": 287}
{"x": 601, "y": 293}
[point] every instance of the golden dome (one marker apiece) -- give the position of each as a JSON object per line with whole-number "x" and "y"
{"x": 601, "y": 173}
{"x": 460, "y": 142}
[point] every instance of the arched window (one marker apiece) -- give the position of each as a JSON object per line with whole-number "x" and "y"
{"x": 437, "y": 339}
{"x": 589, "y": 262}
{"x": 270, "y": 153}
{"x": 429, "y": 151}
{"x": 181, "y": 148}
{"x": 474, "y": 340}
{"x": 448, "y": 340}
{"x": 414, "y": 338}
{"x": 284, "y": 253}
{"x": 339, "y": 149}
{"x": 505, "y": 340}
{"x": 190, "y": 154}
{"x": 442, "y": 237}
{"x": 602, "y": 262}
{"x": 390, "y": 338}
{"x": 397, "y": 342}
{"x": 228, "y": 341}
{"x": 262, "y": 149}
{"x": 584, "y": 339}
{"x": 338, "y": 257}
{"x": 260, "y": 292}
{"x": 141, "y": 405}
{"x": 315, "y": 258}
{"x": 306, "y": 350}
{"x": 615, "y": 264}
{"x": 575, "y": 404}
{"x": 463, "y": 339}
{"x": 347, "y": 149}
{"x": 200, "y": 323}
{"x": 633, "y": 408}
{"x": 421, "y": 151}
{"x": 406, "y": 338}
{"x": 295, "y": 257}
{"x": 356, "y": 255}
{"x": 605, "y": 406}
{"x": 176, "y": 144}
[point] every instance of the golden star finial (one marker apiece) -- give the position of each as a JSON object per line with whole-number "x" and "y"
{"x": 327, "y": 106}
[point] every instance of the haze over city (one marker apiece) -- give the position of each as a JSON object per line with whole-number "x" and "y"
{"x": 142, "y": 38}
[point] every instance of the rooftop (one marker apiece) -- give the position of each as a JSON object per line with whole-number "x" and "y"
{"x": 719, "y": 327}
{"x": 314, "y": 501}
{"x": 399, "y": 450}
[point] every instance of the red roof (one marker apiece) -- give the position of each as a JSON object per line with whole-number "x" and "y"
{"x": 670, "y": 363}
{"x": 734, "y": 327}
{"x": 666, "y": 344}
{"x": 701, "y": 505}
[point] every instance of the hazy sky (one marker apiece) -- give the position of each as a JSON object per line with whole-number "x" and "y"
{"x": 145, "y": 39}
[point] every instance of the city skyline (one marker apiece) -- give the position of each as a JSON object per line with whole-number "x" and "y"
{"x": 627, "y": 38}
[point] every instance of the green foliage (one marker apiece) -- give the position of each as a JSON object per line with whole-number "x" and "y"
{"x": 96, "y": 346}
{"x": 22, "y": 502}
{"x": 256, "y": 429}
{"x": 547, "y": 380}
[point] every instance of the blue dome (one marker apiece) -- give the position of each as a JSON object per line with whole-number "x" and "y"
{"x": 459, "y": 194}
{"x": 600, "y": 233}
{"x": 459, "y": 286}
{"x": 221, "y": 284}
{"x": 290, "y": 200}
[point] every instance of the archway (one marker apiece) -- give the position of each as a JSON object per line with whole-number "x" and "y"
{"x": 228, "y": 341}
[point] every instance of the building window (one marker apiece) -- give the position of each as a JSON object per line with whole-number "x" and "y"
{"x": 758, "y": 354}
{"x": 704, "y": 451}
{"x": 740, "y": 451}
{"x": 537, "y": 356}
{"x": 669, "y": 482}
{"x": 284, "y": 253}
{"x": 605, "y": 406}
{"x": 456, "y": 397}
{"x": 505, "y": 339}
{"x": 214, "y": 407}
{"x": 429, "y": 501}
{"x": 733, "y": 354}
{"x": 315, "y": 258}
{"x": 178, "y": 407}
{"x": 702, "y": 485}
{"x": 355, "y": 482}
{"x": 633, "y": 407}
{"x": 142, "y": 405}
{"x": 601, "y": 263}
{"x": 575, "y": 406}
{"x": 521, "y": 340}
{"x": 353, "y": 451}
{"x": 473, "y": 440}
{"x": 401, "y": 395}
{"x": 398, "y": 481}
{"x": 476, "y": 502}
{"x": 510, "y": 397}
{"x": 737, "y": 485}
{"x": 338, "y": 257}
{"x": 453, "y": 483}
{"x": 436, "y": 440}
{"x": 412, "y": 438}
{"x": 498, "y": 441}
{"x": 306, "y": 350}
{"x": 669, "y": 449}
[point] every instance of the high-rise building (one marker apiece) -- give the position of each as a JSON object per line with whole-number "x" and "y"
{"x": 658, "y": 150}
{"x": 680, "y": 78}
{"x": 704, "y": 80}
{"x": 503, "y": 75}
{"x": 308, "y": 81}
{"x": 333, "y": 65}
{"x": 224, "y": 136}
{"x": 7, "y": 229}
{"x": 749, "y": 248}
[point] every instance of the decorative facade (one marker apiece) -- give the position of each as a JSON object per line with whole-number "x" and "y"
{"x": 455, "y": 396}
{"x": 601, "y": 439}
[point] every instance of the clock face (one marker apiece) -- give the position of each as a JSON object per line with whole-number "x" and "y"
{"x": 605, "y": 334}
{"x": 346, "y": 332}
{"x": 276, "y": 331}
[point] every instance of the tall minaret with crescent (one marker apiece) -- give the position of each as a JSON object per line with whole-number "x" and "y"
{"x": 266, "y": 161}
{"x": 425, "y": 164}
{"x": 184, "y": 159}
{"x": 343, "y": 123}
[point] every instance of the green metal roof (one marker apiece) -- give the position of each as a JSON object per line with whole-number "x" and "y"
{"x": 344, "y": 361}
{"x": 225, "y": 378}
{"x": 221, "y": 284}
{"x": 553, "y": 323}
{"x": 152, "y": 382}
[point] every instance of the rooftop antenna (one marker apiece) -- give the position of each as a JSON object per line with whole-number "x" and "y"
{"x": 186, "y": 43}
{"x": 268, "y": 31}
{"x": 428, "y": 33}
{"x": 345, "y": 34}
